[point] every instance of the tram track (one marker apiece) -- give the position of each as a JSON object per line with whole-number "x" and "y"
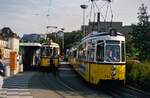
{"x": 63, "y": 90}
{"x": 68, "y": 85}
{"x": 124, "y": 92}
{"x": 137, "y": 90}
{"x": 46, "y": 84}
{"x": 117, "y": 93}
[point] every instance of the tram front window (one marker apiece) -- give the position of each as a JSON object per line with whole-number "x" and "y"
{"x": 112, "y": 53}
{"x": 46, "y": 51}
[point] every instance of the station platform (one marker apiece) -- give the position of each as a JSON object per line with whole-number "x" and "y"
{"x": 15, "y": 93}
{"x": 16, "y": 86}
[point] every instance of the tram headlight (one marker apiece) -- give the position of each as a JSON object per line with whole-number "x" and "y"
{"x": 113, "y": 73}
{"x": 113, "y": 67}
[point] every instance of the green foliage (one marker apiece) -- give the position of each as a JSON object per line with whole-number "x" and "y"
{"x": 71, "y": 38}
{"x": 140, "y": 36}
{"x": 145, "y": 75}
{"x": 140, "y": 39}
{"x": 42, "y": 41}
{"x": 138, "y": 72}
{"x": 134, "y": 70}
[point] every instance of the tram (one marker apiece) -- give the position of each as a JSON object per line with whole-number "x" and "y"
{"x": 49, "y": 55}
{"x": 100, "y": 56}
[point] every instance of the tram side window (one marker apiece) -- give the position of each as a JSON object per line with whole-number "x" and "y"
{"x": 84, "y": 51}
{"x": 81, "y": 53}
{"x": 123, "y": 51}
{"x": 91, "y": 53}
{"x": 100, "y": 51}
{"x": 74, "y": 53}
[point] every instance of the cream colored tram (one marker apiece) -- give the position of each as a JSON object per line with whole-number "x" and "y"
{"x": 49, "y": 52}
{"x": 101, "y": 56}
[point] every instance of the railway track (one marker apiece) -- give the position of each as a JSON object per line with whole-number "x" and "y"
{"x": 124, "y": 92}
{"x": 60, "y": 88}
{"x": 114, "y": 90}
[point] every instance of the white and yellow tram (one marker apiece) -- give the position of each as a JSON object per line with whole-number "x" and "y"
{"x": 100, "y": 56}
{"x": 49, "y": 55}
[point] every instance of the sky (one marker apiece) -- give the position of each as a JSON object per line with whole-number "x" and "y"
{"x": 31, "y": 16}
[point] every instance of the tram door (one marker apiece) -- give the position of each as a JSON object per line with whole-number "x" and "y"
{"x": 90, "y": 58}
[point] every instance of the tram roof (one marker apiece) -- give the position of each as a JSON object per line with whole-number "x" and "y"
{"x": 51, "y": 45}
{"x": 30, "y": 44}
{"x": 98, "y": 34}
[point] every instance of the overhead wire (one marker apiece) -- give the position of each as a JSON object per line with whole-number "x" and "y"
{"x": 48, "y": 11}
{"x": 106, "y": 12}
{"x": 99, "y": 11}
{"x": 94, "y": 7}
{"x": 91, "y": 12}
{"x": 93, "y": 16}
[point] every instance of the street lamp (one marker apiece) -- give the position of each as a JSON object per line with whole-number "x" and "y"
{"x": 84, "y": 7}
{"x": 62, "y": 29}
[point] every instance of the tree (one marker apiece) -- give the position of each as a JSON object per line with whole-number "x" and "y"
{"x": 143, "y": 15}
{"x": 140, "y": 36}
{"x": 71, "y": 38}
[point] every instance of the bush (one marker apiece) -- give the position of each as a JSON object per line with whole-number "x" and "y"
{"x": 146, "y": 72}
{"x": 138, "y": 73}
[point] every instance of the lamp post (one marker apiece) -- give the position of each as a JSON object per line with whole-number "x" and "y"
{"x": 62, "y": 29}
{"x": 84, "y": 7}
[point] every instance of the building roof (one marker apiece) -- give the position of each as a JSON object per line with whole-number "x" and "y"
{"x": 31, "y": 37}
{"x": 7, "y": 33}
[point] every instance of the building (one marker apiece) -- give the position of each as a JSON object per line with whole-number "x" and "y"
{"x": 105, "y": 27}
{"x": 9, "y": 41}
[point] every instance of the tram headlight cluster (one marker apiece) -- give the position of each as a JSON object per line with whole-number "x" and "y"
{"x": 113, "y": 71}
